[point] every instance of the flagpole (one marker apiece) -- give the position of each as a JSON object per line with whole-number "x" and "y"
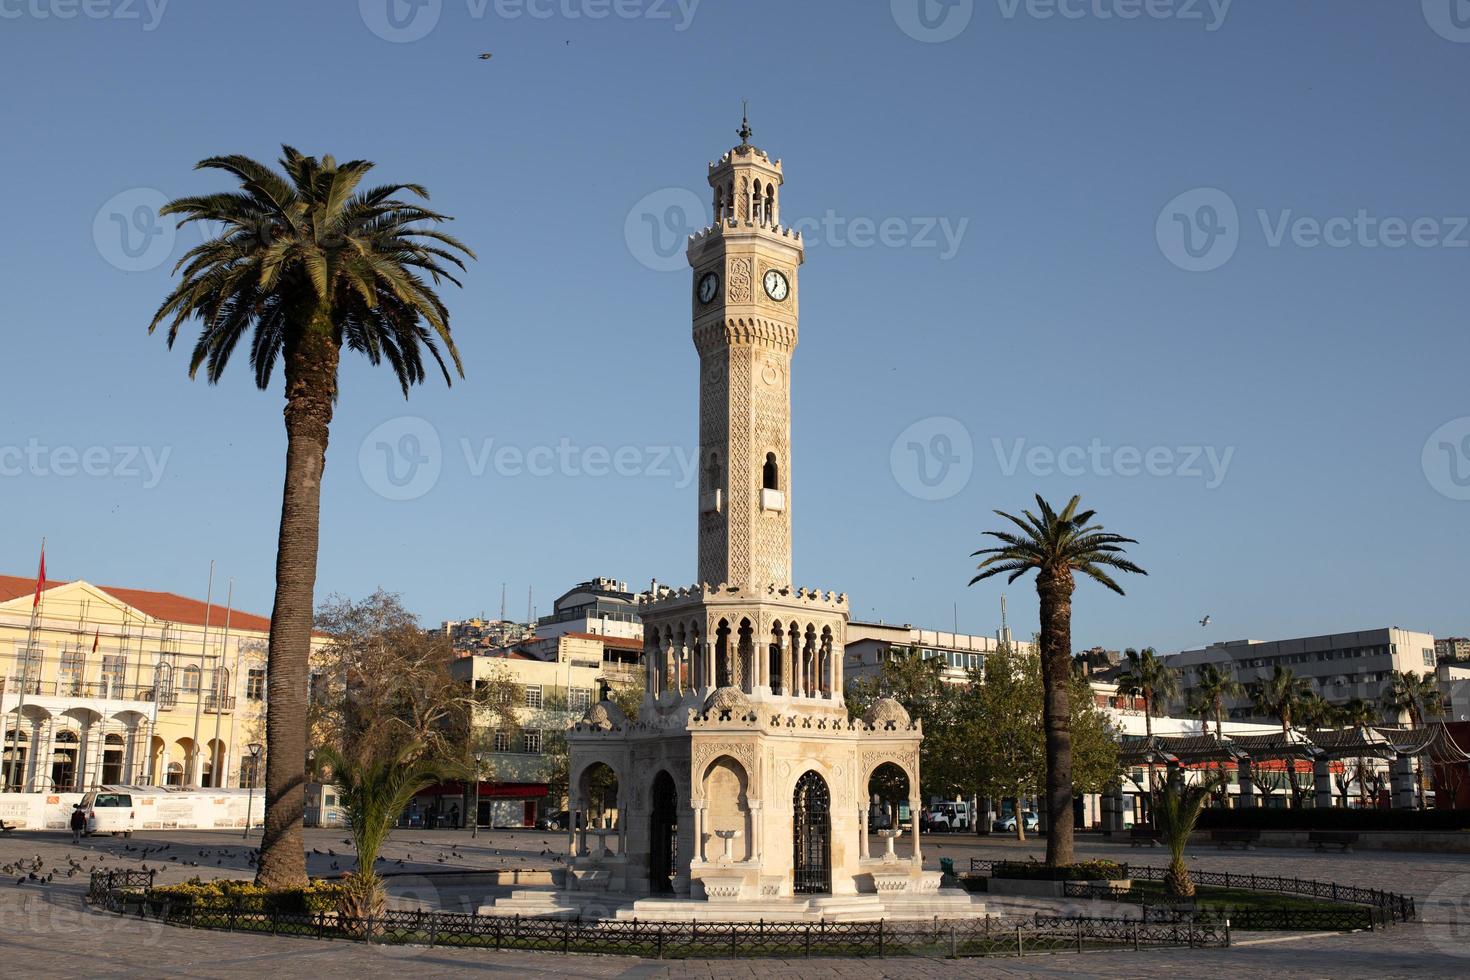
{"x": 199, "y": 686}
{"x": 219, "y": 696}
{"x": 25, "y": 672}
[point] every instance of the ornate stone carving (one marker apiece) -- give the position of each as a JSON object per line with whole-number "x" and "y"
{"x": 888, "y": 715}
{"x": 605, "y": 716}
{"x": 740, "y": 283}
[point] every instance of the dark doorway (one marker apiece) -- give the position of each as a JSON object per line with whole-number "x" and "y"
{"x": 663, "y": 836}
{"x": 812, "y": 835}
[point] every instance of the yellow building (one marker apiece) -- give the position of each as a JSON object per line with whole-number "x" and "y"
{"x": 559, "y": 677}
{"x": 128, "y": 686}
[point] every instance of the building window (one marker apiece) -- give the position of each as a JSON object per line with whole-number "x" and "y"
{"x": 114, "y": 672}
{"x": 579, "y": 699}
{"x": 1429, "y": 656}
{"x": 255, "y": 684}
{"x": 533, "y": 697}
{"x": 70, "y": 681}
{"x": 502, "y": 741}
{"x": 531, "y": 741}
{"x": 191, "y": 679}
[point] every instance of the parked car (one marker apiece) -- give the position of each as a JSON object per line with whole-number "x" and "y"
{"x": 109, "y": 811}
{"x": 556, "y": 821}
{"x": 1029, "y": 821}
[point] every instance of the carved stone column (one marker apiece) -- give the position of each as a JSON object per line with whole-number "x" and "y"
{"x": 914, "y": 807}
{"x": 757, "y": 841}
{"x": 574, "y": 806}
{"x": 863, "y": 832}
{"x": 699, "y": 830}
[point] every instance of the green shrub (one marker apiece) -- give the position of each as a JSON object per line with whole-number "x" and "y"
{"x": 1333, "y": 818}
{"x": 319, "y": 896}
{"x": 1082, "y": 871}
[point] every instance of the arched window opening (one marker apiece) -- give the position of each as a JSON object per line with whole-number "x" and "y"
{"x": 770, "y": 474}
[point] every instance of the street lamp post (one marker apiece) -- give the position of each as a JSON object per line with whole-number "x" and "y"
{"x": 475, "y": 813}
{"x": 254, "y": 748}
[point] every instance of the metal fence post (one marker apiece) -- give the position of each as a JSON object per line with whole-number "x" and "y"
{"x": 808, "y": 943}
{"x": 953, "y": 946}
{"x": 1079, "y": 935}
{"x": 659, "y": 936}
{"x": 880, "y": 936}
{"x": 1020, "y": 948}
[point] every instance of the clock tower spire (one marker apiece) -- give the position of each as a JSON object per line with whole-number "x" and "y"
{"x": 745, "y": 329}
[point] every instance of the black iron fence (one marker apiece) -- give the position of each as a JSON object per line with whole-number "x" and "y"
{"x": 1383, "y": 907}
{"x": 127, "y": 893}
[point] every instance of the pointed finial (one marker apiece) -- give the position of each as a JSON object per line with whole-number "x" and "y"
{"x": 744, "y": 133}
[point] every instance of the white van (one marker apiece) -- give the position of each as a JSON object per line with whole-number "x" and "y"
{"x": 110, "y": 810}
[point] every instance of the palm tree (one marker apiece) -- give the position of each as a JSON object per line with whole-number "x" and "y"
{"x": 1280, "y": 696}
{"x": 1408, "y": 693}
{"x": 309, "y": 264}
{"x": 1419, "y": 697}
{"x": 1146, "y": 676}
{"x": 1212, "y": 687}
{"x": 1359, "y": 713}
{"x": 374, "y": 791}
{"x": 1176, "y": 810}
{"x": 1315, "y": 711}
{"x": 1055, "y": 545}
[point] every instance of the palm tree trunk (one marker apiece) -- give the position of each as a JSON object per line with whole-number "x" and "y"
{"x": 311, "y": 374}
{"x": 1054, "y": 589}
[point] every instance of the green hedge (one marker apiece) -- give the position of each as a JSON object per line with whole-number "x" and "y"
{"x": 319, "y": 896}
{"x": 1334, "y": 818}
{"x": 1082, "y": 871}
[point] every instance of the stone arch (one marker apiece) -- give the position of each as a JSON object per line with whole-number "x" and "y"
{"x": 889, "y": 785}
{"x": 64, "y": 768}
{"x": 726, "y": 785}
{"x": 809, "y": 661}
{"x": 114, "y": 755}
{"x": 597, "y": 789}
{"x": 697, "y": 666}
{"x": 724, "y": 674}
{"x": 16, "y": 757}
{"x": 745, "y": 658}
{"x": 825, "y": 678}
{"x": 776, "y": 669}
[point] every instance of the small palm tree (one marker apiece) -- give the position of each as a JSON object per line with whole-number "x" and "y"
{"x": 375, "y": 791}
{"x": 1280, "y": 696}
{"x": 1359, "y": 713}
{"x": 1176, "y": 810}
{"x": 1146, "y": 676}
{"x": 1315, "y": 711}
{"x": 1215, "y": 686}
{"x": 1419, "y": 698}
{"x": 1056, "y": 545}
{"x": 308, "y": 265}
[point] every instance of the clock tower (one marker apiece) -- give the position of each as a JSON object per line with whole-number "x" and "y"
{"x": 745, "y": 314}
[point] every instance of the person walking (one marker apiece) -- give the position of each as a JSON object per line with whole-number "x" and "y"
{"x": 78, "y": 823}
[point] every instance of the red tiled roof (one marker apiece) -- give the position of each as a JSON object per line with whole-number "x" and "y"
{"x": 166, "y": 606}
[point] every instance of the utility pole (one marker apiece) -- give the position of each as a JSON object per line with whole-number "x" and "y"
{"x": 197, "y": 769}
{"x": 502, "y": 602}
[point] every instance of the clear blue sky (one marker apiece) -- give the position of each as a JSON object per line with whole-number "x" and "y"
{"x": 1060, "y": 316}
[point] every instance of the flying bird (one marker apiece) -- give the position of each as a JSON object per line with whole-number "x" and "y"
{"x": 486, "y": 56}
{"x": 1205, "y": 621}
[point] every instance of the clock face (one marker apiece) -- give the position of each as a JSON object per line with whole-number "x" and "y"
{"x": 709, "y": 284}
{"x": 776, "y": 285}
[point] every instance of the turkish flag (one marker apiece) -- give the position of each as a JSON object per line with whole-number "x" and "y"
{"x": 40, "y": 578}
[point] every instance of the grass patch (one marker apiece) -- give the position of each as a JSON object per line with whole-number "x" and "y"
{"x": 1228, "y": 899}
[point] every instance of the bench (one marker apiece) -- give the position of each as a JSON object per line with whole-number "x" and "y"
{"x": 1230, "y": 838}
{"x": 1333, "y": 838}
{"x": 6, "y": 829}
{"x": 1141, "y": 835}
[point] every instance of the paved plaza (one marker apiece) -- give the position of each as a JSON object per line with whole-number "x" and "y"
{"x": 48, "y": 927}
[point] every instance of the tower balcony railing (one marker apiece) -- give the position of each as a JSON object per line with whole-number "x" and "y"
{"x": 216, "y": 702}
